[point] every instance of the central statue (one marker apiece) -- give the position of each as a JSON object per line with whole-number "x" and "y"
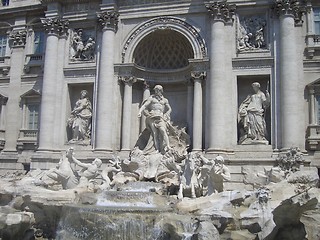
{"x": 161, "y": 144}
{"x": 157, "y": 111}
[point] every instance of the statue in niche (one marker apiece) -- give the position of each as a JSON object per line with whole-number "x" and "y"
{"x": 157, "y": 111}
{"x": 161, "y": 144}
{"x": 80, "y": 120}
{"x": 251, "y": 117}
{"x": 252, "y": 34}
{"x": 83, "y": 46}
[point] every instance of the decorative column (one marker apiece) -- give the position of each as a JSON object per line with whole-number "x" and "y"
{"x": 190, "y": 107}
{"x": 13, "y": 124}
{"x": 53, "y": 27}
{"x": 197, "y": 78}
{"x": 146, "y": 95}
{"x": 126, "y": 111}
{"x": 217, "y": 140}
{"x": 312, "y": 118}
{"x": 291, "y": 84}
{"x": 105, "y": 90}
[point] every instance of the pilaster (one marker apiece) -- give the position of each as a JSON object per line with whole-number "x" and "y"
{"x": 17, "y": 40}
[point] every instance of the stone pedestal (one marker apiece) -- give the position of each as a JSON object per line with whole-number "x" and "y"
{"x": 106, "y": 83}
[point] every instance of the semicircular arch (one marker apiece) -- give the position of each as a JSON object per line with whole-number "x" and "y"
{"x": 171, "y": 23}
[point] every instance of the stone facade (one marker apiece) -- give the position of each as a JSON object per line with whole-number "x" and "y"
{"x": 205, "y": 55}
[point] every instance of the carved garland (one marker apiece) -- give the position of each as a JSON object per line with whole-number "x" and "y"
{"x": 166, "y": 20}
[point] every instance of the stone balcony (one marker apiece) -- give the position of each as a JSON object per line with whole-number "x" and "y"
{"x": 4, "y": 65}
{"x": 313, "y": 45}
{"x": 313, "y": 137}
{"x": 28, "y": 139}
{"x": 33, "y": 61}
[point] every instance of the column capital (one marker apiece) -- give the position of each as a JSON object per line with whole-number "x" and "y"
{"x": 108, "y": 19}
{"x": 295, "y": 8}
{"x": 221, "y": 11}
{"x": 127, "y": 80}
{"x": 198, "y": 75}
{"x": 18, "y": 38}
{"x": 55, "y": 25}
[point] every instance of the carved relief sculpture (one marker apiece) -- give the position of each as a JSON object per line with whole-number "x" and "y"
{"x": 80, "y": 120}
{"x": 251, "y": 117}
{"x": 252, "y": 33}
{"x": 83, "y": 46}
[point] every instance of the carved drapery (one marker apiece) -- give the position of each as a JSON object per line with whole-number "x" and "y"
{"x": 55, "y": 25}
{"x": 18, "y": 38}
{"x": 221, "y": 11}
{"x": 296, "y": 8}
{"x": 109, "y": 19}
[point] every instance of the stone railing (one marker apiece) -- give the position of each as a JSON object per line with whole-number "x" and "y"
{"x": 313, "y": 137}
{"x": 316, "y": 39}
{"x": 144, "y": 2}
{"x": 28, "y": 134}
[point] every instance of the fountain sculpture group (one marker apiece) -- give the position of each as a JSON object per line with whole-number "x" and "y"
{"x": 162, "y": 191}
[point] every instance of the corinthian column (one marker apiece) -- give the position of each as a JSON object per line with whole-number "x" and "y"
{"x": 53, "y": 27}
{"x": 221, "y": 14}
{"x": 197, "y": 78}
{"x": 126, "y": 111}
{"x": 18, "y": 41}
{"x": 106, "y": 83}
{"x": 291, "y": 84}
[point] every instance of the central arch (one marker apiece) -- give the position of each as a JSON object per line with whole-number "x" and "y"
{"x": 164, "y": 23}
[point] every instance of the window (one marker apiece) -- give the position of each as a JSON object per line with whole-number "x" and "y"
{"x": 316, "y": 12}
{"x": 38, "y": 43}
{"x": 33, "y": 116}
{"x": 3, "y": 45}
{"x": 5, "y": 2}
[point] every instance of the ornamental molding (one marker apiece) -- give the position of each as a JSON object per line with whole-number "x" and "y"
{"x": 55, "y": 25}
{"x": 171, "y": 23}
{"x": 18, "y": 38}
{"x": 108, "y": 19}
{"x": 127, "y": 80}
{"x": 221, "y": 11}
{"x": 296, "y": 8}
{"x": 198, "y": 75}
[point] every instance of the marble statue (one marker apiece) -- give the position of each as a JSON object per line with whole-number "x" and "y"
{"x": 251, "y": 117}
{"x": 64, "y": 173}
{"x": 213, "y": 174}
{"x": 80, "y": 120}
{"x": 157, "y": 111}
{"x": 251, "y": 34}
{"x": 108, "y": 173}
{"x": 160, "y": 143}
{"x": 83, "y": 47}
{"x": 89, "y": 171}
{"x": 189, "y": 180}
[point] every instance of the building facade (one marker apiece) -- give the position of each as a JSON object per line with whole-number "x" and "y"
{"x": 74, "y": 73}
